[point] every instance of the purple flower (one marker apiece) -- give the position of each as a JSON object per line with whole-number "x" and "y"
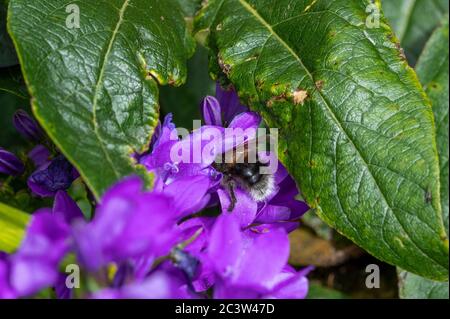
{"x": 27, "y": 126}
{"x": 253, "y": 263}
{"x": 10, "y": 164}
{"x": 160, "y": 284}
{"x": 130, "y": 223}
{"x": 35, "y": 265}
{"x": 51, "y": 177}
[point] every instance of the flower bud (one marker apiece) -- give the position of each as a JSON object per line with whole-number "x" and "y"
{"x": 10, "y": 164}
{"x": 27, "y": 126}
{"x": 211, "y": 111}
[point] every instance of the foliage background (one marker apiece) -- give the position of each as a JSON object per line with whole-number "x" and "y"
{"x": 420, "y": 27}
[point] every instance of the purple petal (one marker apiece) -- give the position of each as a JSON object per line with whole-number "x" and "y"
{"x": 40, "y": 155}
{"x": 272, "y": 214}
{"x": 129, "y": 223}
{"x": 211, "y": 111}
{"x": 188, "y": 194}
{"x": 225, "y": 246}
{"x": 35, "y": 265}
{"x": 66, "y": 208}
{"x": 229, "y": 102}
{"x": 281, "y": 173}
{"x": 245, "y": 208}
{"x": 128, "y": 187}
{"x": 46, "y": 237}
{"x": 286, "y": 197}
{"x": 166, "y": 131}
{"x": 246, "y": 120}
{"x": 225, "y": 290}
{"x": 291, "y": 284}
{"x": 30, "y": 275}
{"x": 160, "y": 285}
{"x": 6, "y": 291}
{"x": 269, "y": 250}
{"x": 61, "y": 290}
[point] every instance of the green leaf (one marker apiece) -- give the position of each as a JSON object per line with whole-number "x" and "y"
{"x": 95, "y": 88}
{"x": 413, "y": 22}
{"x": 432, "y": 69}
{"x": 356, "y": 129}
{"x": 13, "y": 223}
{"x": 317, "y": 291}
{"x": 415, "y": 287}
{"x": 8, "y": 55}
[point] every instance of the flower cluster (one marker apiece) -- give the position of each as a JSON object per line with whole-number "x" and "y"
{"x": 52, "y": 171}
{"x": 160, "y": 243}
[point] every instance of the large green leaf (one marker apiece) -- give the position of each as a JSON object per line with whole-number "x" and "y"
{"x": 95, "y": 88}
{"x": 13, "y": 223}
{"x": 432, "y": 69}
{"x": 415, "y": 287}
{"x": 356, "y": 129}
{"x": 413, "y": 21}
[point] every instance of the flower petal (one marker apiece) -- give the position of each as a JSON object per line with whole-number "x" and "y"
{"x": 66, "y": 207}
{"x": 229, "y": 102}
{"x": 246, "y": 120}
{"x": 245, "y": 208}
{"x": 269, "y": 251}
{"x": 188, "y": 194}
{"x": 225, "y": 245}
{"x": 40, "y": 155}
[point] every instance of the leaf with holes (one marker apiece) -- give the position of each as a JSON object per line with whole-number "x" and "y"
{"x": 95, "y": 88}
{"x": 413, "y": 22}
{"x": 356, "y": 129}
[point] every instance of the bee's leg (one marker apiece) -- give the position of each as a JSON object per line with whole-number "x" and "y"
{"x": 231, "y": 187}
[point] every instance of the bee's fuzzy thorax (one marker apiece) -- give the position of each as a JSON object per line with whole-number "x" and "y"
{"x": 263, "y": 189}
